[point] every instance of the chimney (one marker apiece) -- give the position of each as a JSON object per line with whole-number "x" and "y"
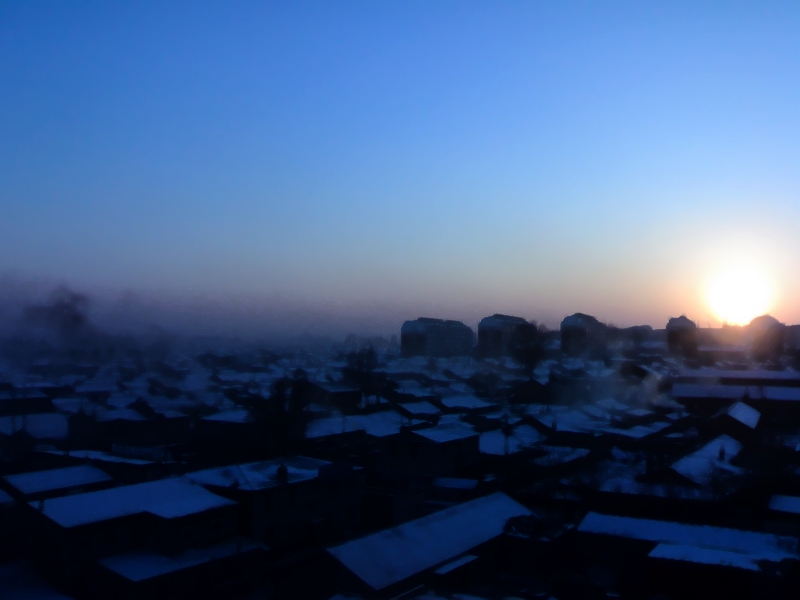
{"x": 282, "y": 474}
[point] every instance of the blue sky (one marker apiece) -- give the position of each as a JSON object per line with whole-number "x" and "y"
{"x": 538, "y": 158}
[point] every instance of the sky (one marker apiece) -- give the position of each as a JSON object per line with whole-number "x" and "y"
{"x": 395, "y": 159}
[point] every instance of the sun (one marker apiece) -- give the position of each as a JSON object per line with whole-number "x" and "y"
{"x": 739, "y": 293}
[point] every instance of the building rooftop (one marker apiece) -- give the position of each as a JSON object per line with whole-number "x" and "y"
{"x": 420, "y": 408}
{"x": 259, "y": 475}
{"x": 240, "y": 415}
{"x": 704, "y": 464}
{"x": 786, "y": 504}
{"x": 56, "y": 479}
{"x": 747, "y": 415}
{"x": 447, "y": 432}
{"x": 466, "y": 402}
{"x": 522, "y": 436}
{"x": 758, "y": 546}
{"x": 143, "y": 565}
{"x": 705, "y": 556}
{"x": 378, "y": 424}
{"x": 166, "y": 498}
{"x": 101, "y": 456}
{"x": 390, "y": 556}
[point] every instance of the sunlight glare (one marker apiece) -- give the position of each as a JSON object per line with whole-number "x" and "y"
{"x": 739, "y": 294}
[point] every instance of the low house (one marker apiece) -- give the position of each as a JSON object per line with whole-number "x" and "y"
{"x": 124, "y": 469}
{"x": 442, "y": 450}
{"x": 37, "y": 428}
{"x": 709, "y": 466}
{"x": 221, "y": 570}
{"x": 291, "y": 501}
{"x": 229, "y": 435}
{"x": 55, "y": 482}
{"x": 466, "y": 404}
{"x": 738, "y": 421}
{"x": 165, "y": 517}
{"x": 715, "y": 556}
{"x": 784, "y": 514}
{"x": 395, "y": 560}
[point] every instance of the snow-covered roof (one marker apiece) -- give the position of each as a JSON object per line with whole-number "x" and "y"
{"x": 102, "y": 456}
{"x": 559, "y": 455}
{"x": 56, "y": 479}
{"x": 466, "y": 402}
{"x": 378, "y": 424}
{"x": 335, "y": 425}
{"x": 705, "y": 556}
{"x": 640, "y": 412}
{"x": 143, "y": 565}
{"x": 494, "y": 442}
{"x": 260, "y": 475}
{"x": 166, "y": 498}
{"x": 420, "y": 408}
{"x": 124, "y": 414}
{"x": 747, "y": 415}
{"x": 702, "y": 465}
{"x": 72, "y": 405}
{"x": 638, "y": 431}
{"x": 395, "y": 554}
{"x": 627, "y": 484}
{"x": 447, "y": 432}
{"x": 759, "y": 546}
{"x": 787, "y": 504}
{"x": 455, "y": 564}
{"x": 414, "y": 388}
{"x": 239, "y": 415}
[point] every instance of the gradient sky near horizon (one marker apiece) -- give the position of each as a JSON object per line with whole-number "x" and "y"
{"x": 535, "y": 158}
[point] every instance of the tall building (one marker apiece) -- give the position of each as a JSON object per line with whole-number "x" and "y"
{"x": 495, "y": 332}
{"x": 682, "y": 336}
{"x": 582, "y": 334}
{"x": 435, "y": 337}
